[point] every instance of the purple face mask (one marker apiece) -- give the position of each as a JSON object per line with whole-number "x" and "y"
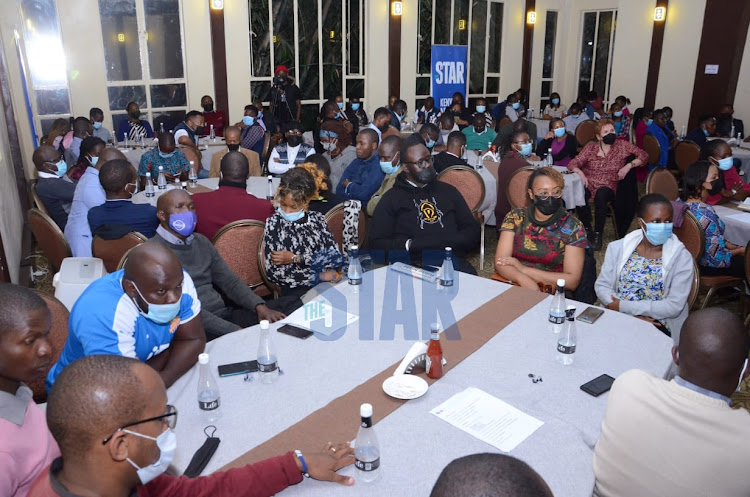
{"x": 183, "y": 222}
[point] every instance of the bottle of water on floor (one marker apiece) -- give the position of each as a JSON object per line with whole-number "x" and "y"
{"x": 557, "y": 309}
{"x": 566, "y": 342}
{"x": 268, "y": 367}
{"x": 209, "y": 400}
{"x": 366, "y": 448}
{"x": 447, "y": 272}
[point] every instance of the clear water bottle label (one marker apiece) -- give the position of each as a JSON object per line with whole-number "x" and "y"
{"x": 355, "y": 281}
{"x": 209, "y": 406}
{"x": 367, "y": 466}
{"x": 267, "y": 368}
{"x": 566, "y": 349}
{"x": 446, "y": 282}
{"x": 557, "y": 319}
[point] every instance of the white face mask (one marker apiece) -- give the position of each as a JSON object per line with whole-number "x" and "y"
{"x": 329, "y": 146}
{"x": 167, "y": 443}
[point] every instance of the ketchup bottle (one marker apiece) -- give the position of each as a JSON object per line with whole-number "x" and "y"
{"x": 435, "y": 353}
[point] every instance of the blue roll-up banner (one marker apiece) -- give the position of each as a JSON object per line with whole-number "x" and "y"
{"x": 448, "y": 73}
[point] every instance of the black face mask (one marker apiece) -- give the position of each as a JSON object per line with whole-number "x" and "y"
{"x": 426, "y": 176}
{"x": 199, "y": 130}
{"x": 547, "y": 206}
{"x": 293, "y": 141}
{"x": 234, "y": 147}
{"x": 135, "y": 114}
{"x": 208, "y": 108}
{"x": 725, "y": 116}
{"x": 716, "y": 187}
{"x": 609, "y": 138}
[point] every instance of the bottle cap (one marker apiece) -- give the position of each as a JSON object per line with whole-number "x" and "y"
{"x": 191, "y": 163}
{"x": 264, "y": 324}
{"x": 353, "y": 247}
{"x": 570, "y": 312}
{"x": 561, "y": 282}
{"x": 203, "y": 358}
{"x": 161, "y": 168}
{"x": 365, "y": 410}
{"x": 434, "y": 327}
{"x": 448, "y": 249}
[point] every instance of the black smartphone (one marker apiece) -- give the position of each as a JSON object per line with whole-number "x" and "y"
{"x": 296, "y": 332}
{"x": 238, "y": 368}
{"x": 590, "y": 315}
{"x": 598, "y": 386}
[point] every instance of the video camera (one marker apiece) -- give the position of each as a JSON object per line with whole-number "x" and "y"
{"x": 279, "y": 81}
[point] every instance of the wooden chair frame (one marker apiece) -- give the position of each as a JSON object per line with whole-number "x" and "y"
{"x": 475, "y": 209}
{"x": 654, "y": 172}
{"x": 65, "y": 245}
{"x": 243, "y": 223}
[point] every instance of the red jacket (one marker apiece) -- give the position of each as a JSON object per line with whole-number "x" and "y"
{"x": 218, "y": 119}
{"x": 262, "y": 479}
{"x": 225, "y": 205}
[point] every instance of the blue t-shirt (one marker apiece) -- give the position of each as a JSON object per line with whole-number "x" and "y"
{"x": 105, "y": 321}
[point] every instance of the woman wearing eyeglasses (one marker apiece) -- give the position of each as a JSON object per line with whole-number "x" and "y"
{"x": 542, "y": 243}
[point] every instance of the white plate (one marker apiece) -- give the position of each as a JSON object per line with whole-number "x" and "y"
{"x": 405, "y": 386}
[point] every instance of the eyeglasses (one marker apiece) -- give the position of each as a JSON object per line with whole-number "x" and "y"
{"x": 293, "y": 133}
{"x": 545, "y": 195}
{"x": 169, "y": 417}
{"x": 54, "y": 161}
{"x": 422, "y": 163}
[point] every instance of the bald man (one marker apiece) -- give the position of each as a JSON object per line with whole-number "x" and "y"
{"x": 166, "y": 155}
{"x": 177, "y": 220}
{"x": 116, "y": 434}
{"x": 148, "y": 310}
{"x": 680, "y": 437}
{"x": 55, "y": 192}
{"x": 232, "y": 135}
{"x": 231, "y": 201}
{"x": 390, "y": 164}
{"x": 89, "y": 193}
{"x": 363, "y": 177}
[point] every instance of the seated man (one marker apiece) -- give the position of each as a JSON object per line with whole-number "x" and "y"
{"x": 287, "y": 155}
{"x": 659, "y": 129}
{"x": 680, "y": 437}
{"x": 231, "y": 201}
{"x": 575, "y": 117}
{"x": 134, "y": 127}
{"x": 429, "y": 133}
{"x": 187, "y": 133}
{"x": 516, "y": 127}
{"x": 446, "y": 126}
{"x": 81, "y": 129}
{"x": 398, "y": 113}
{"x": 101, "y": 398}
{"x": 363, "y": 176}
{"x": 166, "y": 155}
{"x": 726, "y": 121}
{"x": 232, "y": 138}
{"x": 706, "y": 127}
{"x": 489, "y": 475}
{"x": 454, "y": 153}
{"x": 252, "y": 131}
{"x": 119, "y": 215}
{"x": 96, "y": 116}
{"x": 177, "y": 220}
{"x": 148, "y": 311}
{"x": 428, "y": 113}
{"x": 512, "y": 107}
{"x": 381, "y": 123}
{"x": 419, "y": 213}
{"x": 212, "y": 117}
{"x": 55, "y": 193}
{"x": 27, "y": 446}
{"x": 390, "y": 164}
{"x": 89, "y": 193}
{"x": 478, "y": 135}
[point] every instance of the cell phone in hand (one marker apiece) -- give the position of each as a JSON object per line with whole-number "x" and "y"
{"x": 598, "y": 386}
{"x": 296, "y": 332}
{"x": 238, "y": 368}
{"x": 590, "y": 315}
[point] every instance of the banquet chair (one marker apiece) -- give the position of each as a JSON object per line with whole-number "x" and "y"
{"x": 335, "y": 221}
{"x": 237, "y": 243}
{"x": 261, "y": 261}
{"x": 685, "y": 153}
{"x": 470, "y": 185}
{"x": 660, "y": 180}
{"x": 50, "y": 238}
{"x": 516, "y": 192}
{"x": 58, "y": 335}
{"x": 505, "y": 120}
{"x": 586, "y": 132}
{"x": 695, "y": 285}
{"x": 652, "y": 148}
{"x": 35, "y": 198}
{"x": 111, "y": 252}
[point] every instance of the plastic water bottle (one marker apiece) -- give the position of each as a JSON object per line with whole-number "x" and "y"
{"x": 566, "y": 342}
{"x": 550, "y": 160}
{"x": 739, "y": 140}
{"x": 682, "y": 133}
{"x": 366, "y": 448}
{"x": 212, "y": 134}
{"x": 149, "y": 191}
{"x": 731, "y": 133}
{"x": 143, "y": 141}
{"x": 209, "y": 399}
{"x": 125, "y": 141}
{"x": 193, "y": 175}
{"x": 557, "y": 309}
{"x": 184, "y": 185}
{"x": 447, "y": 271}
{"x": 354, "y": 275}
{"x": 270, "y": 188}
{"x": 161, "y": 181}
{"x": 161, "y": 127}
{"x": 268, "y": 366}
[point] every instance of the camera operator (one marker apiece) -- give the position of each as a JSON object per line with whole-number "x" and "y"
{"x": 285, "y": 97}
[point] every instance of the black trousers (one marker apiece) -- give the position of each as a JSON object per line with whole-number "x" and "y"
{"x": 604, "y": 197}
{"x": 737, "y": 268}
{"x": 624, "y": 204}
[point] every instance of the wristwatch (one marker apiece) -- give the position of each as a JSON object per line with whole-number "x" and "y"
{"x": 295, "y": 259}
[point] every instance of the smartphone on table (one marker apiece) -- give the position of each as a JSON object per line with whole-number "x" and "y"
{"x": 590, "y": 315}
{"x": 598, "y": 386}
{"x": 295, "y": 331}
{"x": 238, "y": 368}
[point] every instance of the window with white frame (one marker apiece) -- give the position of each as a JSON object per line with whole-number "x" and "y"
{"x": 597, "y": 47}
{"x": 45, "y": 63}
{"x": 548, "y": 63}
{"x": 452, "y": 22}
{"x": 145, "y": 59}
{"x": 321, "y": 42}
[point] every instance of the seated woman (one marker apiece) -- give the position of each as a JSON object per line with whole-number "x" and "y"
{"x": 299, "y": 247}
{"x": 564, "y": 145}
{"x": 323, "y": 200}
{"x": 721, "y": 257}
{"x": 602, "y": 164}
{"x": 624, "y": 102}
{"x": 515, "y": 153}
{"x": 91, "y": 147}
{"x": 718, "y": 153}
{"x": 649, "y": 272}
{"x": 554, "y": 109}
{"x": 542, "y": 242}
{"x": 622, "y": 122}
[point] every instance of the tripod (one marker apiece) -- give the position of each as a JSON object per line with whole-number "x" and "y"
{"x": 277, "y": 92}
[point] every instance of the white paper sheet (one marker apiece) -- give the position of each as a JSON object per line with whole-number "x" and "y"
{"x": 320, "y": 317}
{"x": 487, "y": 418}
{"x": 742, "y": 217}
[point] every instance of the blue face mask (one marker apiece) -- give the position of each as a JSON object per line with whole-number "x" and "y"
{"x": 291, "y": 216}
{"x": 559, "y": 132}
{"x": 516, "y": 105}
{"x": 165, "y": 156}
{"x": 340, "y": 104}
{"x": 94, "y": 160}
{"x": 726, "y": 163}
{"x": 658, "y": 233}
{"x": 260, "y": 114}
{"x": 339, "y": 115}
{"x": 388, "y": 167}
{"x": 525, "y": 149}
{"x": 183, "y": 222}
{"x": 705, "y": 132}
{"x": 62, "y": 168}
{"x": 97, "y": 125}
{"x": 248, "y": 120}
{"x": 618, "y": 113}
{"x": 158, "y": 313}
{"x": 555, "y": 101}
{"x": 649, "y": 122}
{"x": 355, "y": 106}
{"x": 430, "y": 144}
{"x": 481, "y": 108}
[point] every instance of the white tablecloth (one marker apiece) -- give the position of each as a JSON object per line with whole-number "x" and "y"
{"x": 317, "y": 371}
{"x": 208, "y": 149}
{"x": 736, "y": 224}
{"x": 743, "y": 154}
{"x": 258, "y": 186}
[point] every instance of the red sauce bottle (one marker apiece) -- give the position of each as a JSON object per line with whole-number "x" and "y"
{"x": 435, "y": 353}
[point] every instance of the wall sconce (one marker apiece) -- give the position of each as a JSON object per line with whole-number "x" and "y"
{"x": 121, "y": 37}
{"x": 461, "y": 24}
{"x": 660, "y": 13}
{"x": 531, "y": 17}
{"x": 332, "y": 35}
{"x": 397, "y": 8}
{"x": 217, "y": 4}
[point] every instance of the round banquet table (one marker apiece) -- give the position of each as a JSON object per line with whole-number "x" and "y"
{"x": 736, "y": 223}
{"x": 256, "y": 185}
{"x": 743, "y": 154}
{"x": 208, "y": 149}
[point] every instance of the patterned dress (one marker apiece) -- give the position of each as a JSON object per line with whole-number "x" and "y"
{"x": 543, "y": 247}
{"x": 716, "y": 253}
{"x": 641, "y": 279}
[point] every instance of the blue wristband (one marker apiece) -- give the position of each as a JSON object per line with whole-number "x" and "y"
{"x": 298, "y": 453}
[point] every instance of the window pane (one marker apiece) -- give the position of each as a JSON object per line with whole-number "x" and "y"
{"x": 423, "y": 86}
{"x": 171, "y": 95}
{"x": 606, "y": 20}
{"x": 168, "y": 119}
{"x": 260, "y": 90}
{"x": 44, "y": 49}
{"x": 587, "y": 52}
{"x": 260, "y": 39}
{"x": 495, "y": 35}
{"x": 310, "y": 114}
{"x": 550, "y": 34}
{"x": 353, "y": 38}
{"x": 308, "y": 57}
{"x": 478, "y": 46}
{"x": 164, "y": 38}
{"x": 120, "y": 96}
{"x": 546, "y": 90}
{"x": 461, "y": 22}
{"x": 120, "y": 34}
{"x": 332, "y": 51}
{"x": 442, "y": 22}
{"x": 283, "y": 34}
{"x": 424, "y": 40}
{"x": 52, "y": 101}
{"x": 355, "y": 88}
{"x": 493, "y": 85}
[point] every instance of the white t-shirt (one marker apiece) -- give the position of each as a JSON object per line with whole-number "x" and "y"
{"x": 281, "y": 167}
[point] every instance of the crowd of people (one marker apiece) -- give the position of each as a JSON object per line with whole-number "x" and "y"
{"x": 134, "y": 332}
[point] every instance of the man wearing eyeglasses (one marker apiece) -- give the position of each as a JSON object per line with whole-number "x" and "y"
{"x": 54, "y": 191}
{"x": 289, "y": 154}
{"x": 110, "y": 417}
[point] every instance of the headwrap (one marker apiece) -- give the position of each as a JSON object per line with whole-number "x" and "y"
{"x": 336, "y": 126}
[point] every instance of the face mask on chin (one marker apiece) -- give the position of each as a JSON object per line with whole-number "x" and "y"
{"x": 167, "y": 444}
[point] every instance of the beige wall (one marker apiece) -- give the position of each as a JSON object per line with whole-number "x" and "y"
{"x": 376, "y": 56}
{"x": 11, "y": 216}
{"x": 742, "y": 97}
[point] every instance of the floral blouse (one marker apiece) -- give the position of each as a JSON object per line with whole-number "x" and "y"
{"x": 641, "y": 279}
{"x": 716, "y": 253}
{"x": 602, "y": 171}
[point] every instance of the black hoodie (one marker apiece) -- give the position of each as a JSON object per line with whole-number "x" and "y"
{"x": 433, "y": 217}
